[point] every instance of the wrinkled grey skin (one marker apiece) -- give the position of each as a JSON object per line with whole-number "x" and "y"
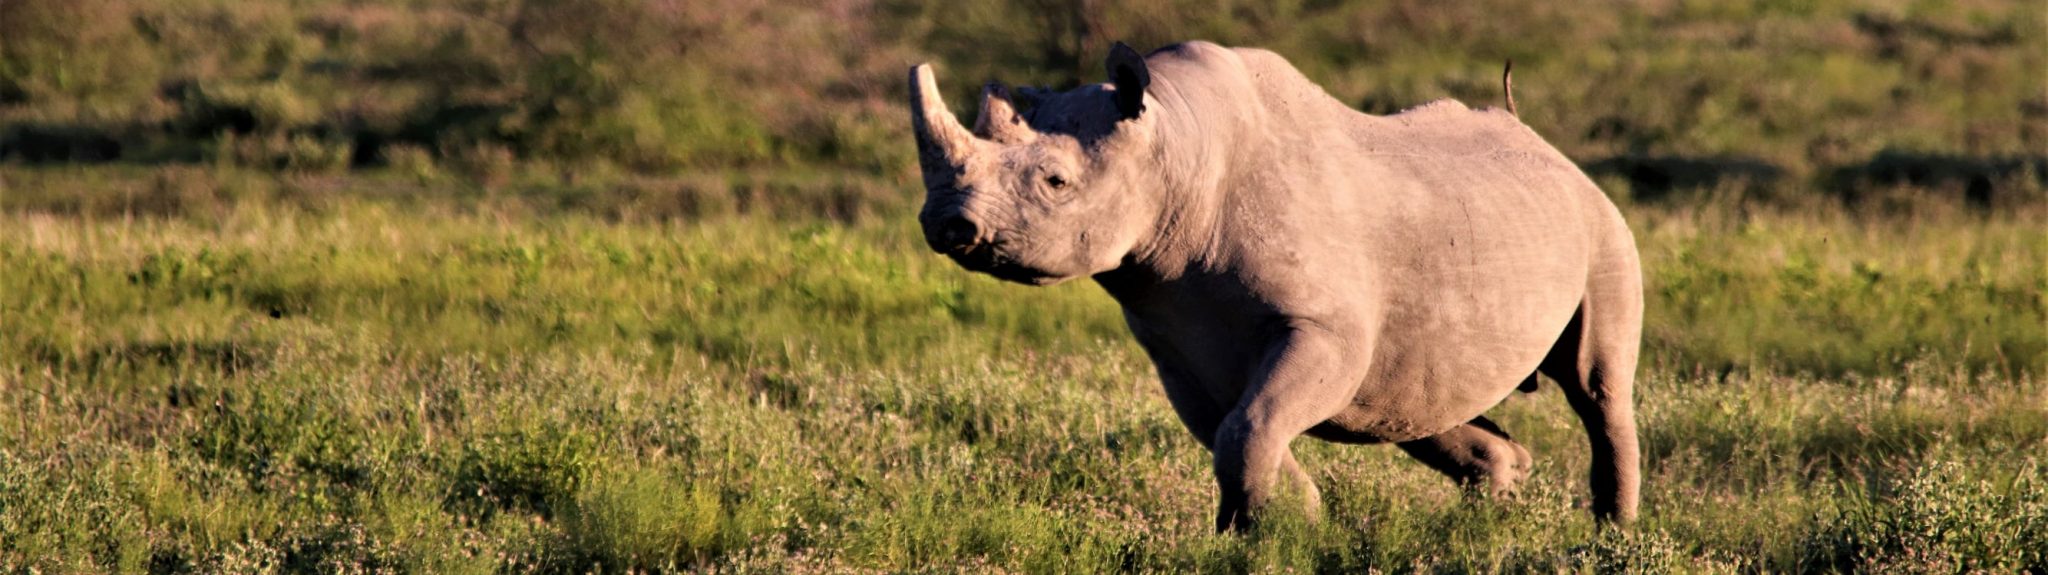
{"x": 1296, "y": 267}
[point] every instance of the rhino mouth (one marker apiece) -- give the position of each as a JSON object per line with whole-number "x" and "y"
{"x": 994, "y": 263}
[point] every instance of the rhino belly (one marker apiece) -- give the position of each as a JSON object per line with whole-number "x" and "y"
{"x": 1448, "y": 353}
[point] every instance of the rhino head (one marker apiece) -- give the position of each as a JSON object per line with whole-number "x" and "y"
{"x": 1057, "y": 191}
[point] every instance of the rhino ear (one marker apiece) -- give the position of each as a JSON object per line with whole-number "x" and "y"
{"x": 1128, "y": 73}
{"x": 1027, "y": 96}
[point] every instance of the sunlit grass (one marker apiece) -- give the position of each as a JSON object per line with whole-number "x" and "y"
{"x": 457, "y": 386}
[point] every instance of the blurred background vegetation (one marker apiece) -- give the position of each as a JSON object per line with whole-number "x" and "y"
{"x": 1812, "y": 99}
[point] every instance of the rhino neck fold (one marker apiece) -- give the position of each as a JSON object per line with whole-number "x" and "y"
{"x": 1197, "y": 135}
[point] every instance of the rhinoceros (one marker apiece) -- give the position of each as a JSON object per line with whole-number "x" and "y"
{"x": 1292, "y": 266}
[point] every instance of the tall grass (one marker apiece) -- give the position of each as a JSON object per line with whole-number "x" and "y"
{"x": 598, "y": 285}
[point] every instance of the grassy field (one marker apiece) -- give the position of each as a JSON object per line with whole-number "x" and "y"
{"x": 619, "y": 285}
{"x": 251, "y": 374}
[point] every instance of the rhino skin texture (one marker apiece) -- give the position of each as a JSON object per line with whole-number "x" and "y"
{"x": 1293, "y": 266}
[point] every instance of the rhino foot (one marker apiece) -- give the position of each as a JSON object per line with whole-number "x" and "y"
{"x": 1478, "y": 455}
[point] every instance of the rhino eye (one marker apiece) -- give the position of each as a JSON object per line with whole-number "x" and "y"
{"x": 1056, "y": 181}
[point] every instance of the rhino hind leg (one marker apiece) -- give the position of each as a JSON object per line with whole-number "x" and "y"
{"x": 1478, "y": 455}
{"x": 1594, "y": 362}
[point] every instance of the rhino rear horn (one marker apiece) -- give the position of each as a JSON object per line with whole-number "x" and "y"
{"x": 943, "y": 145}
{"x": 999, "y": 120}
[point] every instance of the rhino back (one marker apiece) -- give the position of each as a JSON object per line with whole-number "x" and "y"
{"x": 1458, "y": 237}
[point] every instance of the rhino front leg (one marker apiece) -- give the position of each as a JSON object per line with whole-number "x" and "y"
{"x": 1305, "y": 381}
{"x": 1203, "y": 417}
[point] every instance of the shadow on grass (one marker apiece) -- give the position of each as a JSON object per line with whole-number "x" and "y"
{"x": 1657, "y": 178}
{"x": 45, "y": 143}
{"x": 1982, "y": 181}
{"x": 223, "y": 357}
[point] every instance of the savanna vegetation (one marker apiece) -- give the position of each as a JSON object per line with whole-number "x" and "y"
{"x": 590, "y": 285}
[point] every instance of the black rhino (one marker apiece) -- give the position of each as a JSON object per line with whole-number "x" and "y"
{"x": 1293, "y": 266}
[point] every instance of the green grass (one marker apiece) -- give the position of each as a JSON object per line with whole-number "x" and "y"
{"x": 603, "y": 285}
{"x": 366, "y": 374}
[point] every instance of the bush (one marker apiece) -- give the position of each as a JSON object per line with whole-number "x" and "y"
{"x": 1944, "y": 518}
{"x": 485, "y": 163}
{"x": 269, "y": 108}
{"x": 81, "y": 54}
{"x": 413, "y": 161}
{"x": 1733, "y": 89}
{"x": 59, "y": 520}
{"x": 537, "y": 469}
{"x": 286, "y": 437}
{"x": 1646, "y": 551}
{"x": 642, "y": 520}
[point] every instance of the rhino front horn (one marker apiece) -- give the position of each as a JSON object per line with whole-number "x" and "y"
{"x": 942, "y": 143}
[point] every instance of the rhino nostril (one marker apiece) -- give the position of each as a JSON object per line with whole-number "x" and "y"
{"x": 957, "y": 232}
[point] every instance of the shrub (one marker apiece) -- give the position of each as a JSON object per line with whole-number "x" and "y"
{"x": 286, "y": 437}
{"x": 413, "y": 161}
{"x": 1943, "y": 518}
{"x": 487, "y": 164}
{"x": 268, "y": 107}
{"x": 82, "y": 52}
{"x": 536, "y": 469}
{"x": 642, "y": 520}
{"x": 1645, "y": 551}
